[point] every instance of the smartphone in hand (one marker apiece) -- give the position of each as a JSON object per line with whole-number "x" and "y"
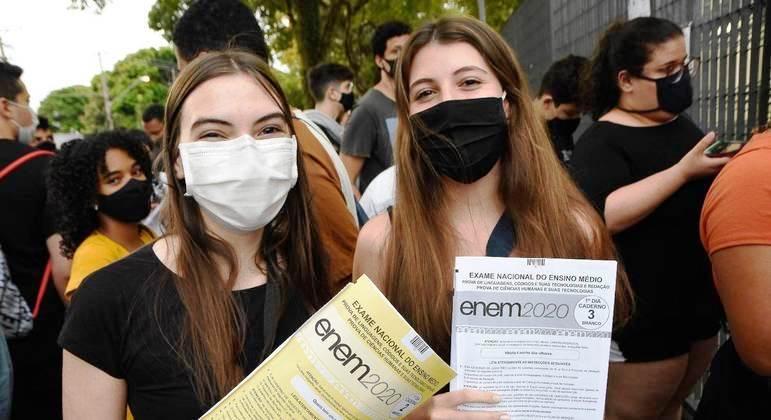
{"x": 724, "y": 148}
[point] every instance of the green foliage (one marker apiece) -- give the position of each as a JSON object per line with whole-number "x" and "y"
{"x": 82, "y": 107}
{"x": 304, "y": 33}
{"x": 64, "y": 107}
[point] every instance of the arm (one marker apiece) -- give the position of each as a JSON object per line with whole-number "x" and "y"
{"x": 353, "y": 165}
{"x": 628, "y": 205}
{"x": 89, "y": 393}
{"x": 369, "y": 250}
{"x": 60, "y": 265}
{"x": 742, "y": 281}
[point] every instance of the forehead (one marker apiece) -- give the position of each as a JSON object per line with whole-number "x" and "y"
{"x": 397, "y": 41}
{"x": 233, "y": 98}
{"x": 671, "y": 50}
{"x": 440, "y": 60}
{"x": 115, "y": 159}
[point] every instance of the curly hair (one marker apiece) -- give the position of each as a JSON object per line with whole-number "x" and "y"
{"x": 73, "y": 181}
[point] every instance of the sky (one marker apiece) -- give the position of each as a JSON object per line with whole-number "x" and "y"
{"x": 58, "y": 47}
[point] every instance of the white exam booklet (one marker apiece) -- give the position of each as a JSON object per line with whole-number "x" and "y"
{"x": 536, "y": 331}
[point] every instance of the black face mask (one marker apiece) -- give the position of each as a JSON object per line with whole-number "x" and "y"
{"x": 563, "y": 128}
{"x": 347, "y": 100}
{"x": 463, "y": 138}
{"x": 391, "y": 68}
{"x": 129, "y": 204}
{"x": 674, "y": 93}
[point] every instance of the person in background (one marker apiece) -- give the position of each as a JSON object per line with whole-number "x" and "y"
{"x": 44, "y": 136}
{"x": 559, "y": 102}
{"x": 212, "y": 25}
{"x": 367, "y": 147}
{"x": 475, "y": 175}
{"x": 102, "y": 187}
{"x": 29, "y": 241}
{"x": 642, "y": 164}
{"x": 172, "y": 328}
{"x": 152, "y": 125}
{"x": 331, "y": 86}
{"x": 736, "y": 232}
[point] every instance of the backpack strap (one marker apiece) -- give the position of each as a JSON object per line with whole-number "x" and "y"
{"x": 22, "y": 160}
{"x": 47, "y": 272}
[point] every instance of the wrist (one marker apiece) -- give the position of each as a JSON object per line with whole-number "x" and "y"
{"x": 680, "y": 173}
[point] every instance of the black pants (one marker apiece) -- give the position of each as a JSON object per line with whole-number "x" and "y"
{"x": 733, "y": 391}
{"x": 37, "y": 372}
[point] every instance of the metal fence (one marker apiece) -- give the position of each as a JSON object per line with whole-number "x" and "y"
{"x": 732, "y": 38}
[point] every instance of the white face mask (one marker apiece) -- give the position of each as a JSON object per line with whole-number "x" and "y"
{"x": 242, "y": 183}
{"x": 26, "y": 132}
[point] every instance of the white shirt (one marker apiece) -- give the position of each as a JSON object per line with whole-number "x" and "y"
{"x": 380, "y": 193}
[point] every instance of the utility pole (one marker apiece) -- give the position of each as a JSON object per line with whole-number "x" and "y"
{"x": 482, "y": 11}
{"x": 106, "y": 96}
{"x": 2, "y": 50}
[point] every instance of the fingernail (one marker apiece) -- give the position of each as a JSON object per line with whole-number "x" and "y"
{"x": 496, "y": 398}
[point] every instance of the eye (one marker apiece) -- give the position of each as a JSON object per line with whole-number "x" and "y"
{"x": 423, "y": 94}
{"x": 137, "y": 171}
{"x": 113, "y": 180}
{"x": 469, "y": 82}
{"x": 212, "y": 135}
{"x": 271, "y": 130}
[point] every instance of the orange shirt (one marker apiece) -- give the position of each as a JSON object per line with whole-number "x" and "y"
{"x": 737, "y": 210}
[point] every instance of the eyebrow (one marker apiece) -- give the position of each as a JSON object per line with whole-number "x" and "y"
{"x": 463, "y": 69}
{"x": 264, "y": 118}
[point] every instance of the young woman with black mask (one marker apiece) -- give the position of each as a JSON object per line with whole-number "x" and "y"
{"x": 101, "y": 188}
{"x": 475, "y": 175}
{"x": 643, "y": 165}
{"x": 173, "y": 327}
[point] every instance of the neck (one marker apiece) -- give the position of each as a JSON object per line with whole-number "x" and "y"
{"x": 481, "y": 199}
{"x": 328, "y": 108}
{"x": 246, "y": 246}
{"x": 6, "y": 130}
{"x": 386, "y": 86}
{"x": 124, "y": 234}
{"x": 641, "y": 119}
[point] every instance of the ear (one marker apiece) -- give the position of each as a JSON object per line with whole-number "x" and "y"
{"x": 380, "y": 62}
{"x": 5, "y": 109}
{"x": 179, "y": 171}
{"x": 506, "y": 107}
{"x": 624, "y": 81}
{"x": 332, "y": 94}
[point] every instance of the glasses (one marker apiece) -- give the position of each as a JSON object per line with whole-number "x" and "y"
{"x": 691, "y": 66}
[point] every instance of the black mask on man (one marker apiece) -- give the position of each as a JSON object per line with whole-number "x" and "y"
{"x": 391, "y": 68}
{"x": 129, "y": 204}
{"x": 347, "y": 100}
{"x": 563, "y": 128}
{"x": 463, "y": 139}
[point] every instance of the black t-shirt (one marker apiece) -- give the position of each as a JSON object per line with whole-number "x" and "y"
{"x": 112, "y": 325}
{"x": 668, "y": 269}
{"x": 25, "y": 224}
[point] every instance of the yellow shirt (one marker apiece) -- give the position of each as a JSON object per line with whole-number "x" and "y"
{"x": 96, "y": 252}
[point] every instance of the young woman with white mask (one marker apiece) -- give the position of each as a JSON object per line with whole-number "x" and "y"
{"x": 172, "y": 328}
{"x": 475, "y": 175}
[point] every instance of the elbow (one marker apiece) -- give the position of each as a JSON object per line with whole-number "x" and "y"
{"x": 755, "y": 353}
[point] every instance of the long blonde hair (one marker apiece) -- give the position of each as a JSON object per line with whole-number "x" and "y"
{"x": 552, "y": 217}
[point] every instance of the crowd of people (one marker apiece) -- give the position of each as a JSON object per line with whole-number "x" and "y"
{"x": 158, "y": 267}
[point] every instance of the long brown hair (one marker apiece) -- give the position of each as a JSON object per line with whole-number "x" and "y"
{"x": 552, "y": 218}
{"x": 214, "y": 332}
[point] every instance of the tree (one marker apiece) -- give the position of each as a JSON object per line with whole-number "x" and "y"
{"x": 303, "y": 33}
{"x": 64, "y": 107}
{"x": 128, "y": 92}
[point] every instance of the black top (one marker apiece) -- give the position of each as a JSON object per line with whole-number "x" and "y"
{"x": 667, "y": 266}
{"x": 25, "y": 224}
{"x": 111, "y": 325}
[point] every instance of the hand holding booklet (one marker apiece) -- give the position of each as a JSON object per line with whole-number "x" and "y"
{"x": 355, "y": 358}
{"x": 536, "y": 332}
